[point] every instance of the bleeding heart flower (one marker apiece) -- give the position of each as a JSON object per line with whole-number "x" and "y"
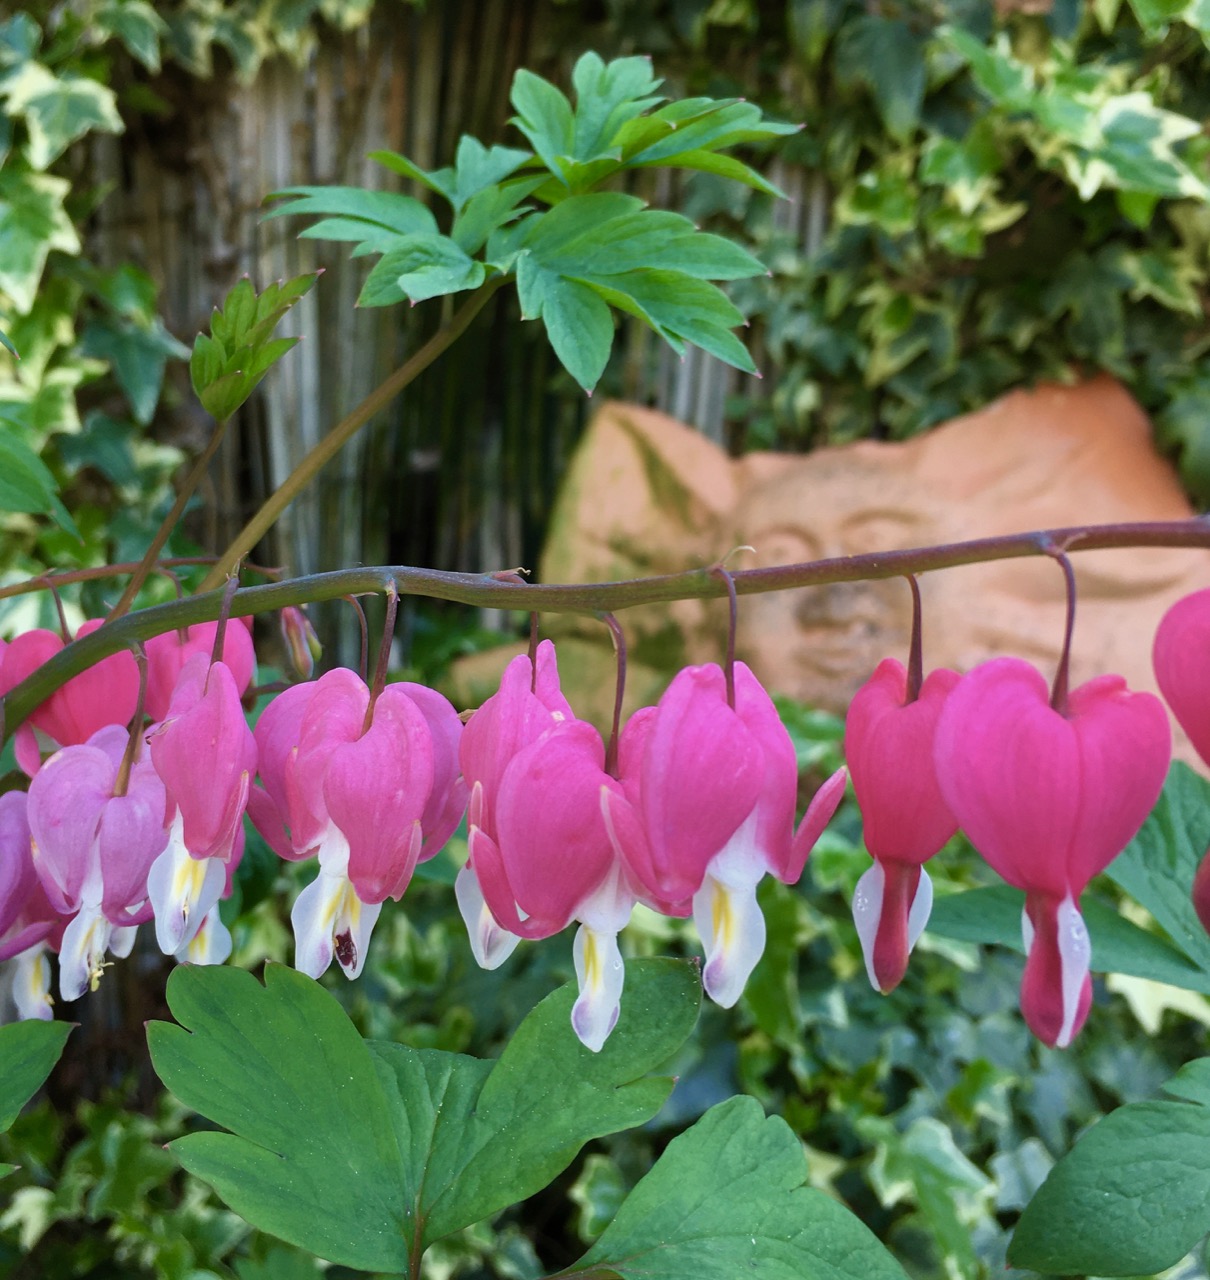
{"x": 95, "y": 835}
{"x": 205, "y": 755}
{"x": 1050, "y": 799}
{"x": 552, "y": 861}
{"x": 888, "y": 744}
{"x": 370, "y": 788}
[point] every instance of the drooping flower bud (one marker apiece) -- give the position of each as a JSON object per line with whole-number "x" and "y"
{"x": 300, "y": 641}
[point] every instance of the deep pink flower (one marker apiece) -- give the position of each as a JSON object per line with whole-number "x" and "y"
{"x": 691, "y": 772}
{"x": 104, "y": 694}
{"x": 888, "y": 745}
{"x": 205, "y": 755}
{"x": 359, "y": 798}
{"x": 1050, "y": 800}
{"x": 707, "y": 810}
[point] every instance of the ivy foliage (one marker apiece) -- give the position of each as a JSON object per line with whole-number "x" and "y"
{"x": 538, "y": 217}
{"x": 987, "y": 198}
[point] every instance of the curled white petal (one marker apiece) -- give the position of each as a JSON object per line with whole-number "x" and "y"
{"x": 25, "y": 986}
{"x": 921, "y": 909}
{"x": 121, "y": 940}
{"x": 1075, "y": 954}
{"x": 867, "y": 912}
{"x": 732, "y": 930}
{"x": 211, "y": 944}
{"x": 600, "y": 973}
{"x": 490, "y": 944}
{"x": 331, "y": 922}
{"x": 82, "y": 952}
{"x": 182, "y": 890}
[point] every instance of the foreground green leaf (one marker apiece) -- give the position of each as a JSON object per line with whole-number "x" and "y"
{"x": 728, "y": 1198}
{"x": 28, "y": 1052}
{"x": 348, "y": 1149}
{"x": 1132, "y": 1197}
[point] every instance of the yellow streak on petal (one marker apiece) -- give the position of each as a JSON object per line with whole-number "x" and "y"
{"x": 721, "y": 917}
{"x": 592, "y": 962}
{"x": 187, "y": 884}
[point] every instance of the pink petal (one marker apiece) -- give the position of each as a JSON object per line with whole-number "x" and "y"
{"x": 66, "y": 801}
{"x": 888, "y": 747}
{"x": 1179, "y": 656}
{"x": 376, "y": 790}
{"x": 779, "y": 788}
{"x": 448, "y": 800}
{"x": 701, "y": 776}
{"x": 206, "y": 756}
{"x": 1010, "y": 771}
{"x": 1056, "y": 991}
{"x": 1125, "y": 746}
{"x": 551, "y": 833}
{"x": 824, "y": 804}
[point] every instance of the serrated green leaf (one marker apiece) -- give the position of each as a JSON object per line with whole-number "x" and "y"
{"x": 702, "y": 161}
{"x": 58, "y": 109}
{"x": 1130, "y": 1199}
{"x": 544, "y": 116}
{"x": 419, "y": 267}
{"x": 310, "y": 1157}
{"x": 608, "y": 96}
{"x": 28, "y": 1052}
{"x": 535, "y": 1108}
{"x": 378, "y": 209}
{"x": 679, "y": 308}
{"x": 341, "y": 1147}
{"x": 728, "y": 1198}
{"x": 487, "y": 211}
{"x": 577, "y": 321}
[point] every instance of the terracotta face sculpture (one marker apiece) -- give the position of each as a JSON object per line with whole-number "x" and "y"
{"x": 647, "y": 495}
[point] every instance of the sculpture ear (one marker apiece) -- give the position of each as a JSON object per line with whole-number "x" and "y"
{"x": 644, "y": 494}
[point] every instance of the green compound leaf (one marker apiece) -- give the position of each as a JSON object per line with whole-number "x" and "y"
{"x": 227, "y": 364}
{"x": 28, "y": 1052}
{"x": 341, "y": 1147}
{"x": 728, "y": 1199}
{"x": 606, "y": 248}
{"x": 1132, "y": 1197}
